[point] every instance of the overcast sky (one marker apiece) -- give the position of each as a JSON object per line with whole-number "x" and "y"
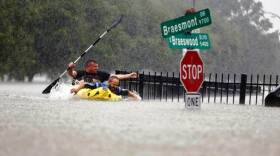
{"x": 272, "y": 6}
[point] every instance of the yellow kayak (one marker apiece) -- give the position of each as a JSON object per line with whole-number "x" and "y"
{"x": 100, "y": 93}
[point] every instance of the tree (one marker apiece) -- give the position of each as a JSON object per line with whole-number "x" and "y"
{"x": 44, "y": 36}
{"x": 57, "y": 35}
{"x": 16, "y": 40}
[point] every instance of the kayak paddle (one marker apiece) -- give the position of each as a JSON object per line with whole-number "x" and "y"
{"x": 48, "y": 89}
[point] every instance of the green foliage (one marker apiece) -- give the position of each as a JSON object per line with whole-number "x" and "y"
{"x": 57, "y": 35}
{"x": 242, "y": 43}
{"x": 17, "y": 55}
{"x": 44, "y": 36}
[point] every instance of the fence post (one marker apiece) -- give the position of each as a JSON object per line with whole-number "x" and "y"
{"x": 243, "y": 88}
{"x": 141, "y": 85}
{"x": 160, "y": 86}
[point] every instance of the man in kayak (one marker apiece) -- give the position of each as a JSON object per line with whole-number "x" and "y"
{"x": 91, "y": 72}
{"x": 112, "y": 84}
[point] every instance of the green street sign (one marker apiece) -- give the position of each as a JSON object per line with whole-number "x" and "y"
{"x": 189, "y": 41}
{"x": 186, "y": 23}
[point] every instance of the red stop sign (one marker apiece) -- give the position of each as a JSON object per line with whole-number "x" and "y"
{"x": 191, "y": 71}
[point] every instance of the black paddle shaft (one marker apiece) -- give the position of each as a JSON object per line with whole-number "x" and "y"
{"x": 48, "y": 89}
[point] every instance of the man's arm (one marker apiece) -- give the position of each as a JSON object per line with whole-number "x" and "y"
{"x": 132, "y": 75}
{"x": 70, "y": 71}
{"x": 134, "y": 95}
{"x": 78, "y": 87}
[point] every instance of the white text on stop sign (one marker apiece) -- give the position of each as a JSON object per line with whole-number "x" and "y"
{"x": 191, "y": 71}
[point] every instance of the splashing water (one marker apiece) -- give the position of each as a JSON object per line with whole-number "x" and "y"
{"x": 61, "y": 92}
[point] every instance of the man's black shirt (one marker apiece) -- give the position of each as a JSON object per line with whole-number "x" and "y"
{"x": 87, "y": 77}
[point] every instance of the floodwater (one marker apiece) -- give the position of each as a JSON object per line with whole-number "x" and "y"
{"x": 33, "y": 124}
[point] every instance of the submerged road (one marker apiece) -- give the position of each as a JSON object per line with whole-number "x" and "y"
{"x": 35, "y": 125}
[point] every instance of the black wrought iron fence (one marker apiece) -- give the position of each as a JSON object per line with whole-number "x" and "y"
{"x": 217, "y": 88}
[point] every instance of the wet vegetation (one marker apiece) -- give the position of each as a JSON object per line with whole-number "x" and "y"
{"x": 43, "y": 36}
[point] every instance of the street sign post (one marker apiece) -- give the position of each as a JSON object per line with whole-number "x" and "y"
{"x": 191, "y": 71}
{"x": 189, "y": 41}
{"x": 177, "y": 33}
{"x": 186, "y": 23}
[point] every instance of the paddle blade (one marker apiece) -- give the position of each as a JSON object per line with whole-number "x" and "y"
{"x": 118, "y": 21}
{"x": 49, "y": 88}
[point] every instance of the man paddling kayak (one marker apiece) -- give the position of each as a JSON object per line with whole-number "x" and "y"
{"x": 91, "y": 71}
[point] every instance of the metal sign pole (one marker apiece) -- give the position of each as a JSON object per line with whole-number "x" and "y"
{"x": 193, "y": 3}
{"x": 184, "y": 51}
{"x": 192, "y": 101}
